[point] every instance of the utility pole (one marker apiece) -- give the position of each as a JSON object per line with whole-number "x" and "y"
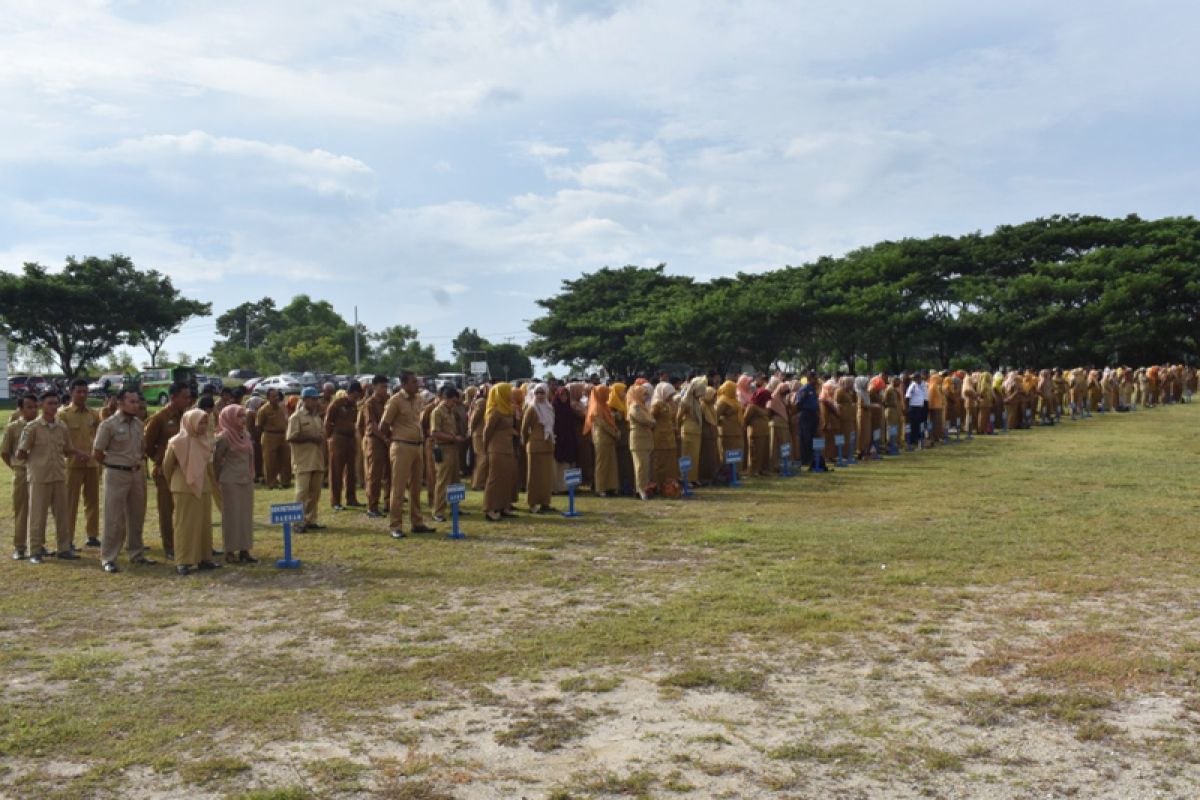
{"x": 247, "y": 331}
{"x": 357, "y": 369}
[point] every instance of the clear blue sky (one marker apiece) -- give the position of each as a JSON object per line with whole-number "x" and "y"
{"x": 444, "y": 164}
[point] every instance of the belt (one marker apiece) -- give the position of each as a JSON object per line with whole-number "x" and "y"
{"x": 123, "y": 469}
{"x": 404, "y": 441}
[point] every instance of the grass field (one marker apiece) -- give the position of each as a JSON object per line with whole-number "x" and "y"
{"x": 1013, "y": 617}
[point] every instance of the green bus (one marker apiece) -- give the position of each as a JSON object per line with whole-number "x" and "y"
{"x": 156, "y": 383}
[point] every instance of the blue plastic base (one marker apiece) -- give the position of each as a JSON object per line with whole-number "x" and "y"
{"x": 571, "y": 514}
{"x": 459, "y": 535}
{"x": 283, "y": 563}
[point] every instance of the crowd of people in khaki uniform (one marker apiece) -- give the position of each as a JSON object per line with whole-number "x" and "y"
{"x": 209, "y": 453}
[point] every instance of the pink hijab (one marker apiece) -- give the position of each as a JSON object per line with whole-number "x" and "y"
{"x": 192, "y": 450}
{"x": 238, "y": 440}
{"x": 778, "y": 400}
{"x": 745, "y": 389}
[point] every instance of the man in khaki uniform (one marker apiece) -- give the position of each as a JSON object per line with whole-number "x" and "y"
{"x": 82, "y": 477}
{"x": 401, "y": 424}
{"x": 375, "y": 445}
{"x": 44, "y": 443}
{"x": 120, "y": 447}
{"x": 340, "y": 420}
{"x": 443, "y": 429}
{"x": 159, "y": 430}
{"x": 272, "y": 424}
{"x": 27, "y": 409}
{"x": 306, "y": 435}
{"x": 326, "y": 399}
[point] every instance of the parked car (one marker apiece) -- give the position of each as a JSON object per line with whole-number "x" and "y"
{"x": 250, "y": 383}
{"x": 239, "y": 377}
{"x": 205, "y": 380}
{"x": 27, "y": 383}
{"x": 283, "y": 383}
{"x": 105, "y": 385}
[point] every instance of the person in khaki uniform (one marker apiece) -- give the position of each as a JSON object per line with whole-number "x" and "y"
{"x": 306, "y": 435}
{"x": 601, "y": 427}
{"x": 401, "y": 425}
{"x": 120, "y": 448}
{"x": 537, "y": 434}
{"x": 375, "y": 446}
{"x": 340, "y": 419}
{"x": 44, "y": 444}
{"x": 161, "y": 428}
{"x": 187, "y": 467}
{"x": 233, "y": 473}
{"x": 641, "y": 438}
{"x": 443, "y": 430}
{"x": 27, "y": 412}
{"x": 498, "y": 425}
{"x": 272, "y": 424}
{"x": 83, "y": 477}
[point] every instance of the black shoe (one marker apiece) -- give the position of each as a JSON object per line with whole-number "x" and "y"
{"x": 183, "y": 569}
{"x": 299, "y": 529}
{"x": 217, "y": 552}
{"x": 339, "y": 507}
{"x": 74, "y": 549}
{"x": 373, "y": 514}
{"x": 399, "y": 535}
{"x": 354, "y": 505}
{"x": 246, "y": 558}
{"x": 18, "y": 555}
{"x": 423, "y": 529}
{"x": 93, "y": 542}
{"x": 170, "y": 555}
{"x": 69, "y": 555}
{"x": 36, "y": 558}
{"x": 143, "y": 561}
{"x": 312, "y": 526}
{"x": 110, "y": 567}
{"x": 438, "y": 518}
{"x": 386, "y": 509}
{"x": 208, "y": 565}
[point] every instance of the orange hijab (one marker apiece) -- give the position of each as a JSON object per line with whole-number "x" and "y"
{"x": 598, "y": 407}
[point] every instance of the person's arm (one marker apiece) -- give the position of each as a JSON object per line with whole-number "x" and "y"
{"x": 527, "y": 424}
{"x": 220, "y": 451}
{"x": 440, "y": 435}
{"x": 169, "y": 464}
{"x": 491, "y": 424}
{"x": 390, "y": 412}
{"x": 335, "y": 406}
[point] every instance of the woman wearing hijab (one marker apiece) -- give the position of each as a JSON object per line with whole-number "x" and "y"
{"x": 729, "y": 419}
{"x": 1012, "y": 399}
{"x": 971, "y": 402}
{"x": 518, "y": 404}
{"x": 498, "y": 444}
{"x": 233, "y": 471}
{"x": 566, "y": 440}
{"x": 188, "y": 470}
{"x": 475, "y": 431}
{"x": 666, "y": 454}
{"x": 830, "y": 421}
{"x": 537, "y": 431}
{"x": 587, "y": 450}
{"x": 893, "y": 411}
{"x": 778, "y": 430}
{"x": 641, "y": 439}
{"x": 710, "y": 450}
{"x": 745, "y": 390}
{"x": 937, "y": 408}
{"x": 690, "y": 418}
{"x": 620, "y": 413}
{"x": 862, "y": 416}
{"x": 878, "y": 432}
{"x": 602, "y": 427}
{"x": 758, "y": 433}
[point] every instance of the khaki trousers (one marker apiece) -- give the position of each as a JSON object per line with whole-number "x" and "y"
{"x": 341, "y": 469}
{"x": 308, "y": 492}
{"x": 641, "y": 469}
{"x": 85, "y": 481}
{"x": 48, "y": 498}
{"x": 445, "y": 474}
{"x": 277, "y": 460}
{"x": 20, "y": 504}
{"x": 406, "y": 473}
{"x": 124, "y": 513}
{"x": 166, "y": 511}
{"x": 379, "y": 471}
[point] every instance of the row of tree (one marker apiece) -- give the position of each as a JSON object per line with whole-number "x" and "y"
{"x": 1064, "y": 290}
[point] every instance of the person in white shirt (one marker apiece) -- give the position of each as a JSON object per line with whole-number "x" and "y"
{"x": 918, "y": 408}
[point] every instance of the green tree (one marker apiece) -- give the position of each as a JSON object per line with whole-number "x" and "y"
{"x": 165, "y": 313}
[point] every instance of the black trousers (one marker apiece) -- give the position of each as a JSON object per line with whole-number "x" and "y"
{"x": 917, "y": 415}
{"x": 808, "y": 430}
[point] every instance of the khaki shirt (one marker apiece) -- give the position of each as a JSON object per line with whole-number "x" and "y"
{"x": 46, "y": 443}
{"x": 272, "y": 419}
{"x": 306, "y": 456}
{"x": 12, "y": 438}
{"x": 370, "y": 413}
{"x": 122, "y": 440}
{"x": 443, "y": 420}
{"x": 340, "y": 417}
{"x": 159, "y": 430}
{"x": 403, "y": 414}
{"x": 81, "y": 428}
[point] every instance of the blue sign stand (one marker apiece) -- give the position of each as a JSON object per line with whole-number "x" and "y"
{"x": 853, "y": 445}
{"x": 839, "y": 441}
{"x": 875, "y": 444}
{"x": 818, "y": 462}
{"x": 455, "y": 494}
{"x": 685, "y": 466}
{"x": 785, "y": 460}
{"x": 573, "y": 478}
{"x": 893, "y": 449}
{"x": 732, "y": 459}
{"x": 286, "y": 514}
